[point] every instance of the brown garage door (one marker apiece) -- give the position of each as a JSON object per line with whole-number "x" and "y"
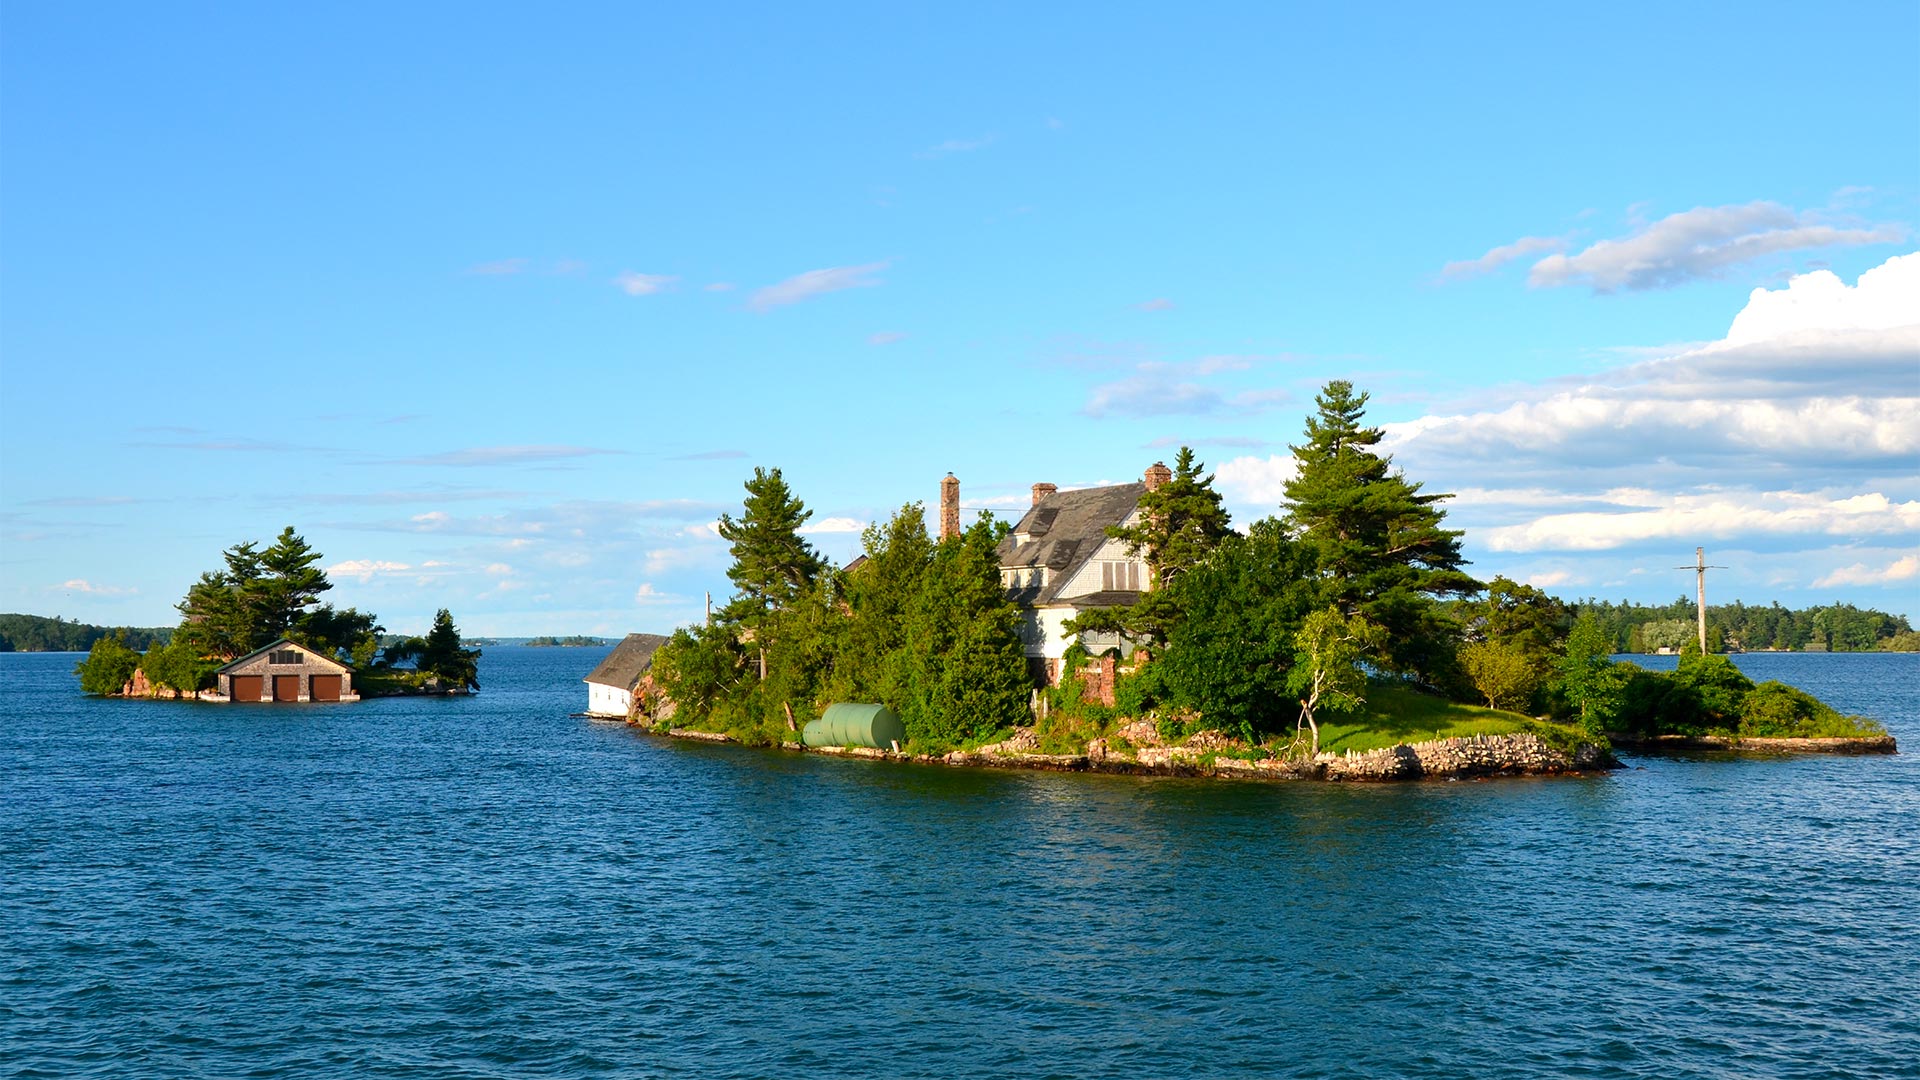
{"x": 246, "y": 687}
{"x": 324, "y": 688}
{"x": 286, "y": 688}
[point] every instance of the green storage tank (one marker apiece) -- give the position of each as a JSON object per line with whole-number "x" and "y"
{"x": 847, "y": 724}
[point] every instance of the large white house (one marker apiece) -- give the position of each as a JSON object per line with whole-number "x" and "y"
{"x": 1060, "y": 561}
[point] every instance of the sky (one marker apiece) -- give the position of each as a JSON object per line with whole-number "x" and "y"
{"x": 498, "y": 307}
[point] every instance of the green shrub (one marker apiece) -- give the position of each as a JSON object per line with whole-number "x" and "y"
{"x": 1776, "y": 710}
{"x": 108, "y": 667}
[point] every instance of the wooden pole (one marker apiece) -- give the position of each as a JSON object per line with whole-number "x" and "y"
{"x": 1700, "y": 569}
{"x": 1700, "y": 601}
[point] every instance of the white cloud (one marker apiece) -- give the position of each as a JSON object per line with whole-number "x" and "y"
{"x": 648, "y": 596}
{"x": 1500, "y": 256}
{"x": 1697, "y": 243}
{"x": 1161, "y": 388}
{"x": 1712, "y": 515}
{"x": 1905, "y": 568}
{"x": 366, "y": 569}
{"x": 836, "y": 525}
{"x": 637, "y": 284}
{"x": 1549, "y": 579}
{"x": 719, "y": 286}
{"x": 82, "y": 585}
{"x": 498, "y": 569}
{"x": 1817, "y": 374}
{"x": 816, "y": 283}
{"x": 1257, "y": 481}
{"x": 1158, "y": 303}
{"x": 885, "y": 337}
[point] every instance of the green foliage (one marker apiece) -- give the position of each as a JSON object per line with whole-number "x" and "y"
{"x": 1722, "y": 687}
{"x": 178, "y": 667}
{"x": 1377, "y": 543}
{"x": 1229, "y": 659}
{"x": 441, "y": 656}
{"x": 1181, "y": 523}
{"x": 772, "y": 562}
{"x": 700, "y": 667}
{"x": 1396, "y": 714}
{"x": 1776, "y": 710}
{"x": 1327, "y": 652}
{"x": 965, "y": 668}
{"x": 1502, "y": 671}
{"x": 1905, "y": 641}
{"x": 1590, "y": 682}
{"x": 108, "y": 668}
{"x": 259, "y": 596}
{"x": 338, "y": 633}
{"x": 1746, "y": 626}
{"x": 36, "y": 633}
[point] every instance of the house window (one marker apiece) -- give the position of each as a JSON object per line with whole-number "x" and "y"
{"x": 1120, "y": 575}
{"x": 284, "y": 656}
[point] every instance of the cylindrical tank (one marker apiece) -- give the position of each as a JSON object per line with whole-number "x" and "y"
{"x": 848, "y": 724}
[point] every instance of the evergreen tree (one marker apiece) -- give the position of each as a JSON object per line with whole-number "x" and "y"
{"x": 258, "y": 597}
{"x": 1376, "y": 539}
{"x": 289, "y": 583}
{"x": 964, "y": 666}
{"x": 442, "y": 656}
{"x": 1181, "y": 523}
{"x": 1228, "y": 660}
{"x": 772, "y": 563}
{"x": 877, "y": 596}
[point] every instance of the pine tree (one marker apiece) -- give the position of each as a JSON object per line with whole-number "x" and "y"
{"x": 772, "y": 563}
{"x": 1181, "y": 522}
{"x": 443, "y": 657}
{"x": 1377, "y": 540}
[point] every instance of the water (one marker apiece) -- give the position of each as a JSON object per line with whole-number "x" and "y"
{"x": 485, "y": 887}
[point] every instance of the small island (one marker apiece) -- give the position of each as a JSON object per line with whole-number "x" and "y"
{"x": 575, "y": 641}
{"x": 1340, "y": 638}
{"x": 256, "y": 631}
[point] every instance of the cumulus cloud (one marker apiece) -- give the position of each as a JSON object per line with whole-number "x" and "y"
{"x": 1905, "y": 568}
{"x": 1698, "y": 243}
{"x": 814, "y": 283}
{"x": 1257, "y": 481}
{"x": 1817, "y": 374}
{"x": 648, "y": 596}
{"x": 638, "y": 284}
{"x": 1712, "y": 515}
{"x": 1500, "y": 256}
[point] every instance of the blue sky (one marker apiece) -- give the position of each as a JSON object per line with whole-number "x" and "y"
{"x": 499, "y": 308}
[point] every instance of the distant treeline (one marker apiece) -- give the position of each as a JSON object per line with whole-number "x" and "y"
{"x": 576, "y": 641}
{"x": 1638, "y": 628}
{"x": 37, "y": 633}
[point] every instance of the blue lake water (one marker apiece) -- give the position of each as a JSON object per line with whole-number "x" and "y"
{"x": 487, "y": 887}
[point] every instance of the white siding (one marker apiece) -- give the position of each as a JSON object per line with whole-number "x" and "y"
{"x": 608, "y": 700}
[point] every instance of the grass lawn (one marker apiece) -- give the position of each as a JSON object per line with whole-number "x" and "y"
{"x": 1394, "y": 716}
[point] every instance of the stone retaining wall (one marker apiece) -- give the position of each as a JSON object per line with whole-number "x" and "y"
{"x": 1877, "y": 744}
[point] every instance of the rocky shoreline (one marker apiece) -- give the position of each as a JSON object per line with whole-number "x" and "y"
{"x": 1209, "y": 754}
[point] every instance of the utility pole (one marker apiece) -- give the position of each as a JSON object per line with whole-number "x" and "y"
{"x": 1700, "y": 569}
{"x": 709, "y": 607}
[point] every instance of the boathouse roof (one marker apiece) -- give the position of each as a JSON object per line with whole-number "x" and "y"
{"x": 628, "y": 661}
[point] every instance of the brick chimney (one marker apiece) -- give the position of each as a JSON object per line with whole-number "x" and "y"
{"x": 949, "y": 507}
{"x": 1157, "y": 474}
{"x": 1041, "y": 491}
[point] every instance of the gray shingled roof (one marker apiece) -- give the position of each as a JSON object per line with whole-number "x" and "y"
{"x": 628, "y": 661}
{"x": 1064, "y": 530}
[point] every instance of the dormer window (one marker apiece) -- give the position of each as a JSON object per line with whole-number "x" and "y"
{"x": 284, "y": 656}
